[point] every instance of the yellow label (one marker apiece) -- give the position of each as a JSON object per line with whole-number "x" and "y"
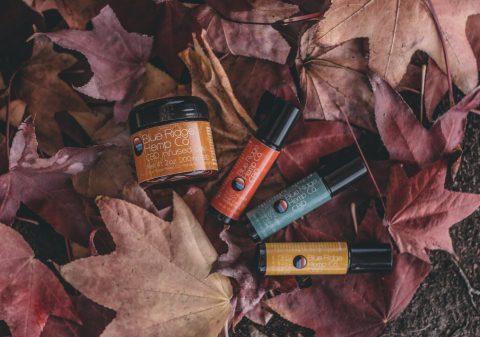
{"x": 306, "y": 258}
{"x": 173, "y": 149}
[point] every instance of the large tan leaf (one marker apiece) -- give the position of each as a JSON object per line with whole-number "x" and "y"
{"x": 397, "y": 28}
{"x": 158, "y": 278}
{"x": 334, "y": 81}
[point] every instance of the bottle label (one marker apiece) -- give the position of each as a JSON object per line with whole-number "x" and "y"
{"x": 244, "y": 179}
{"x": 289, "y": 205}
{"x": 173, "y": 149}
{"x": 306, "y": 258}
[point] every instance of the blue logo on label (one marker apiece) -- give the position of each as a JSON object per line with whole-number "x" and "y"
{"x": 238, "y": 184}
{"x": 299, "y": 261}
{"x": 280, "y": 206}
{"x": 137, "y": 145}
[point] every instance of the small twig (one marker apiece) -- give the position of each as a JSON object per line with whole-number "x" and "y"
{"x": 471, "y": 290}
{"x": 33, "y": 222}
{"x": 7, "y": 119}
{"x": 353, "y": 212}
{"x": 300, "y": 18}
{"x": 422, "y": 92}
{"x": 444, "y": 48}
{"x": 374, "y": 181}
{"x": 68, "y": 248}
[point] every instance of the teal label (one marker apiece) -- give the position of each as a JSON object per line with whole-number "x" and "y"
{"x": 289, "y": 205}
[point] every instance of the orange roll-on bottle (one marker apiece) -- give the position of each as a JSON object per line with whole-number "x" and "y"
{"x": 254, "y": 163}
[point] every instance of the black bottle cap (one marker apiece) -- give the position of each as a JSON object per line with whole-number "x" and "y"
{"x": 167, "y": 110}
{"x": 275, "y": 127}
{"x": 345, "y": 175}
{"x": 366, "y": 258}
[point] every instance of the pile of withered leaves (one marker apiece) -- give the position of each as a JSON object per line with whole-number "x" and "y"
{"x": 72, "y": 70}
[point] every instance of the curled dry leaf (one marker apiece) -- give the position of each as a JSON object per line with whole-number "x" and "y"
{"x": 420, "y": 210}
{"x": 30, "y": 292}
{"x": 334, "y": 81}
{"x": 398, "y": 28}
{"x": 114, "y": 169}
{"x": 44, "y": 184}
{"x": 355, "y": 305}
{"x": 228, "y": 35}
{"x": 76, "y": 13}
{"x": 404, "y": 136}
{"x": 117, "y": 59}
{"x": 38, "y": 85}
{"x": 155, "y": 271}
{"x": 231, "y": 125}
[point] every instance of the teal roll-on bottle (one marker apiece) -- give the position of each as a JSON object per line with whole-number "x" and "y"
{"x": 301, "y": 198}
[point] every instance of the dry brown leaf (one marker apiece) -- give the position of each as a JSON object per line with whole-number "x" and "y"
{"x": 158, "y": 278}
{"x": 396, "y": 29}
{"x": 114, "y": 169}
{"x": 231, "y": 124}
{"x": 75, "y": 12}
{"x": 17, "y": 110}
{"x": 45, "y": 93}
{"x": 157, "y": 84}
{"x": 334, "y": 81}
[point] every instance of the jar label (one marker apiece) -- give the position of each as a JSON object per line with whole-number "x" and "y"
{"x": 287, "y": 206}
{"x": 244, "y": 179}
{"x": 306, "y": 258}
{"x": 173, "y": 149}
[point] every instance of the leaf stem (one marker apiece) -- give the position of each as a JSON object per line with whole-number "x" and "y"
{"x": 362, "y": 155}
{"x": 471, "y": 290}
{"x": 422, "y": 92}
{"x": 7, "y": 119}
{"x": 444, "y": 48}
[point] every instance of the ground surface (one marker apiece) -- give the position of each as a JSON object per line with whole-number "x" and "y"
{"x": 442, "y": 306}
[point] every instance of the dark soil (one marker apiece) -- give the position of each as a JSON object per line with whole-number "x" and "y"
{"x": 442, "y": 306}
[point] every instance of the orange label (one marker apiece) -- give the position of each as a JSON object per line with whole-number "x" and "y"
{"x": 172, "y": 149}
{"x": 306, "y": 258}
{"x": 244, "y": 179}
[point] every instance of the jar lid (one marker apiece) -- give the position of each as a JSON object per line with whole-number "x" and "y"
{"x": 167, "y": 110}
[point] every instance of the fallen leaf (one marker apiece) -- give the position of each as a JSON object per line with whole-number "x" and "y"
{"x": 307, "y": 143}
{"x": 93, "y": 316}
{"x": 157, "y": 84}
{"x": 30, "y": 292}
{"x": 76, "y": 13}
{"x": 355, "y": 305}
{"x": 117, "y": 59}
{"x": 17, "y": 111}
{"x": 238, "y": 263}
{"x": 231, "y": 124}
{"x": 251, "y": 77}
{"x": 398, "y": 28}
{"x": 420, "y": 210}
{"x": 38, "y": 85}
{"x": 44, "y": 184}
{"x": 334, "y": 81}
{"x": 101, "y": 178}
{"x": 235, "y": 31}
{"x": 154, "y": 295}
{"x": 404, "y": 136}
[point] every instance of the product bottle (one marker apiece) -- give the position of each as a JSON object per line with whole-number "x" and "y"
{"x": 301, "y": 198}
{"x": 252, "y": 166}
{"x": 323, "y": 258}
